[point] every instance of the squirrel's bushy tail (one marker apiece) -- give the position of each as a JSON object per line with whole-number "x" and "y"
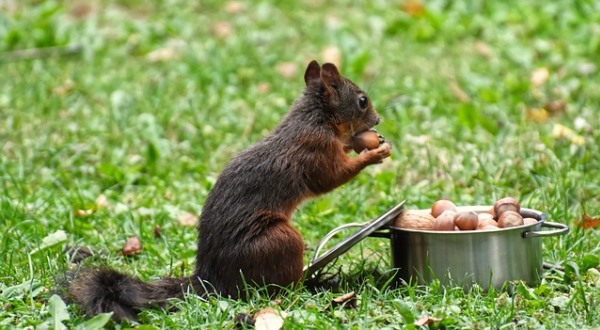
{"x": 104, "y": 290}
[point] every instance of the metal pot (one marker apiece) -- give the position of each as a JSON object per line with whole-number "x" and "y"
{"x": 488, "y": 258}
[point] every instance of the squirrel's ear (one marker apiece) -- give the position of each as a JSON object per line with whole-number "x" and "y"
{"x": 330, "y": 74}
{"x": 313, "y": 72}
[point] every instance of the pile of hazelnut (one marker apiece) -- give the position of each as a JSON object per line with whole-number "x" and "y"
{"x": 444, "y": 216}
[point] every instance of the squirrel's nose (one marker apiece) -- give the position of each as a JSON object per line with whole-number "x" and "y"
{"x": 377, "y": 120}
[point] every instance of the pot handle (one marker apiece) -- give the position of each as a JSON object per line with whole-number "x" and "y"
{"x": 560, "y": 229}
{"x": 330, "y": 235}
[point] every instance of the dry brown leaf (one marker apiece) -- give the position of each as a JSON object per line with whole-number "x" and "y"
{"x": 187, "y": 219}
{"x": 556, "y": 106}
{"x": 426, "y": 320}
{"x": 588, "y": 222}
{"x": 347, "y": 300}
{"x": 415, "y": 8}
{"x": 332, "y": 54}
{"x": 269, "y": 319}
{"x": 458, "y": 92}
{"x": 156, "y": 231}
{"x": 132, "y": 246}
{"x": 222, "y": 29}
{"x": 539, "y": 76}
{"x": 288, "y": 70}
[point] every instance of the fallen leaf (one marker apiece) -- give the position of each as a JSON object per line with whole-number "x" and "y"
{"x": 562, "y": 132}
{"x": 556, "y": 106}
{"x": 187, "y": 219}
{"x": 332, "y": 54}
{"x": 269, "y": 319}
{"x": 414, "y": 8}
{"x": 588, "y": 222}
{"x": 537, "y": 115}
{"x": 222, "y": 29}
{"x": 426, "y": 320}
{"x": 347, "y": 300}
{"x": 458, "y": 92}
{"x": 132, "y": 246}
{"x": 156, "y": 231}
{"x": 51, "y": 240}
{"x": 288, "y": 70}
{"x": 539, "y": 76}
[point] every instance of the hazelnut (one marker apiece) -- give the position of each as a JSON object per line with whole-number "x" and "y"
{"x": 440, "y": 206}
{"x": 366, "y": 140}
{"x": 467, "y": 220}
{"x": 529, "y": 221}
{"x": 486, "y": 222}
{"x": 445, "y": 221}
{"x": 413, "y": 219}
{"x": 505, "y": 204}
{"x": 485, "y": 216}
{"x": 510, "y": 219}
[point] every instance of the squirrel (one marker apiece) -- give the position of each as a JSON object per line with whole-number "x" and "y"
{"x": 245, "y": 235}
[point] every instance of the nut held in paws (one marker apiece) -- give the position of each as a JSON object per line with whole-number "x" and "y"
{"x": 365, "y": 140}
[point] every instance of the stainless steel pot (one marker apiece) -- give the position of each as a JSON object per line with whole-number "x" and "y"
{"x": 488, "y": 258}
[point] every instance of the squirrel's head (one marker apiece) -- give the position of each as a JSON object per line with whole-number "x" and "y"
{"x": 349, "y": 107}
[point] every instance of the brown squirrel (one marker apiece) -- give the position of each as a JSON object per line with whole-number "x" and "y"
{"x": 245, "y": 231}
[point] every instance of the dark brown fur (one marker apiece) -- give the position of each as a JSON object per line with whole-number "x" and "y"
{"x": 245, "y": 231}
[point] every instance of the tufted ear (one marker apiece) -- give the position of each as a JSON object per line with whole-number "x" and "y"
{"x": 330, "y": 75}
{"x": 313, "y": 73}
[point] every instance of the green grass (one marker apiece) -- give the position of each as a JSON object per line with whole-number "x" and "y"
{"x": 152, "y": 136}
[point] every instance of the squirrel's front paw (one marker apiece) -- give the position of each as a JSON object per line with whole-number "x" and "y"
{"x": 378, "y": 154}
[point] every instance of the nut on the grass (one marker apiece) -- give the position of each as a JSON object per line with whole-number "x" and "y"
{"x": 366, "y": 140}
{"x": 510, "y": 219}
{"x": 505, "y": 204}
{"x": 413, "y": 219}
{"x": 442, "y": 205}
{"x": 445, "y": 221}
{"x": 466, "y": 220}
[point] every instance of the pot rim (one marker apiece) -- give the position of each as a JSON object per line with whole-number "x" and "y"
{"x": 532, "y": 213}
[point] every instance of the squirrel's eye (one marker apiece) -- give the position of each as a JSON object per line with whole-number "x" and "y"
{"x": 363, "y": 102}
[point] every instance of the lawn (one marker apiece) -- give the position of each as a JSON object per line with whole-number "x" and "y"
{"x": 116, "y": 118}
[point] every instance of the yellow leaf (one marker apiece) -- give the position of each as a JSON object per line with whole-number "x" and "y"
{"x": 537, "y": 114}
